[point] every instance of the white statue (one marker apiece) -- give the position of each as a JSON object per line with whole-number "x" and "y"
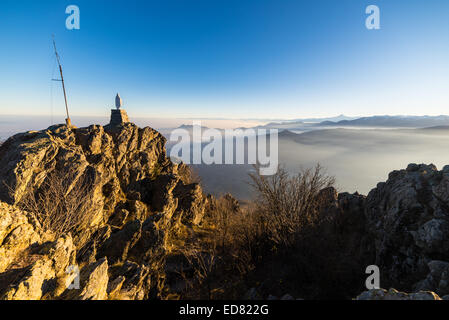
{"x": 118, "y": 102}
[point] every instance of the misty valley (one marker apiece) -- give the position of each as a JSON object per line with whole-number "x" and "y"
{"x": 358, "y": 157}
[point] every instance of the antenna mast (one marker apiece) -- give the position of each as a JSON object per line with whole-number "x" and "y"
{"x": 67, "y": 121}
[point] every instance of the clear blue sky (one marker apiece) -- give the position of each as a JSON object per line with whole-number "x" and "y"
{"x": 227, "y": 58}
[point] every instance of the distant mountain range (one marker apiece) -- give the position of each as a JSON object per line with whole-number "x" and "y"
{"x": 419, "y": 122}
{"x": 392, "y": 121}
{"x": 341, "y": 117}
{"x": 295, "y": 123}
{"x": 190, "y": 127}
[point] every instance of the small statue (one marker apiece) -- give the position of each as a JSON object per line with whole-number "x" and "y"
{"x": 118, "y": 102}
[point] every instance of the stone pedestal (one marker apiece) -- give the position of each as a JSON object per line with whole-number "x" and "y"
{"x": 118, "y": 117}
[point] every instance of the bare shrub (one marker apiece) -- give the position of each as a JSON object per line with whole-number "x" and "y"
{"x": 286, "y": 204}
{"x": 63, "y": 202}
{"x": 298, "y": 232}
{"x": 286, "y": 239}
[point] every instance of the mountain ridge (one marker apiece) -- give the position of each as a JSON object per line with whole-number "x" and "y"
{"x": 393, "y": 121}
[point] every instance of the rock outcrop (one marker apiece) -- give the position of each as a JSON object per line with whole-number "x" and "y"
{"x": 120, "y": 245}
{"x": 402, "y": 226}
{"x": 407, "y": 219}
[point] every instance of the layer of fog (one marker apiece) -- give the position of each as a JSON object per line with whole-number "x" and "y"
{"x": 359, "y": 159}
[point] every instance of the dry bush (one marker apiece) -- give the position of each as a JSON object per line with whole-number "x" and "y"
{"x": 63, "y": 202}
{"x": 304, "y": 237}
{"x": 286, "y": 204}
{"x": 284, "y": 239}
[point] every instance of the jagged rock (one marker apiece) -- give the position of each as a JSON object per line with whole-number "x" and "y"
{"x": 162, "y": 195}
{"x": 392, "y": 294}
{"x": 43, "y": 277}
{"x": 115, "y": 286}
{"x": 118, "y": 219}
{"x": 137, "y": 283}
{"x": 34, "y": 285}
{"x": 130, "y": 180}
{"x": 191, "y": 202}
{"x": 115, "y": 160}
{"x": 437, "y": 280}
{"x": 407, "y": 220}
{"x": 150, "y": 243}
{"x": 138, "y": 210}
{"x": 432, "y": 235}
{"x": 16, "y": 234}
{"x": 94, "y": 281}
{"x": 88, "y": 252}
{"x": 117, "y": 245}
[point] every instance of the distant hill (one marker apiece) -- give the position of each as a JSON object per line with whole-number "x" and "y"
{"x": 340, "y": 117}
{"x": 298, "y": 123}
{"x": 190, "y": 127}
{"x": 393, "y": 121}
{"x": 437, "y": 128}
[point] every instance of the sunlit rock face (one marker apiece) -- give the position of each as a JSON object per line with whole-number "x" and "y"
{"x": 135, "y": 195}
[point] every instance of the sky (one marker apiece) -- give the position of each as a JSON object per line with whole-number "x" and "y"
{"x": 233, "y": 59}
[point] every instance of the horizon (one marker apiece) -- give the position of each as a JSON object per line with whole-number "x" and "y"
{"x": 298, "y": 118}
{"x": 226, "y": 60}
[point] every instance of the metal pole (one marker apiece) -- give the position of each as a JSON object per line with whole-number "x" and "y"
{"x": 68, "y": 122}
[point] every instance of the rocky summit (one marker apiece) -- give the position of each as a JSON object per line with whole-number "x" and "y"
{"x": 135, "y": 195}
{"x": 128, "y": 211}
